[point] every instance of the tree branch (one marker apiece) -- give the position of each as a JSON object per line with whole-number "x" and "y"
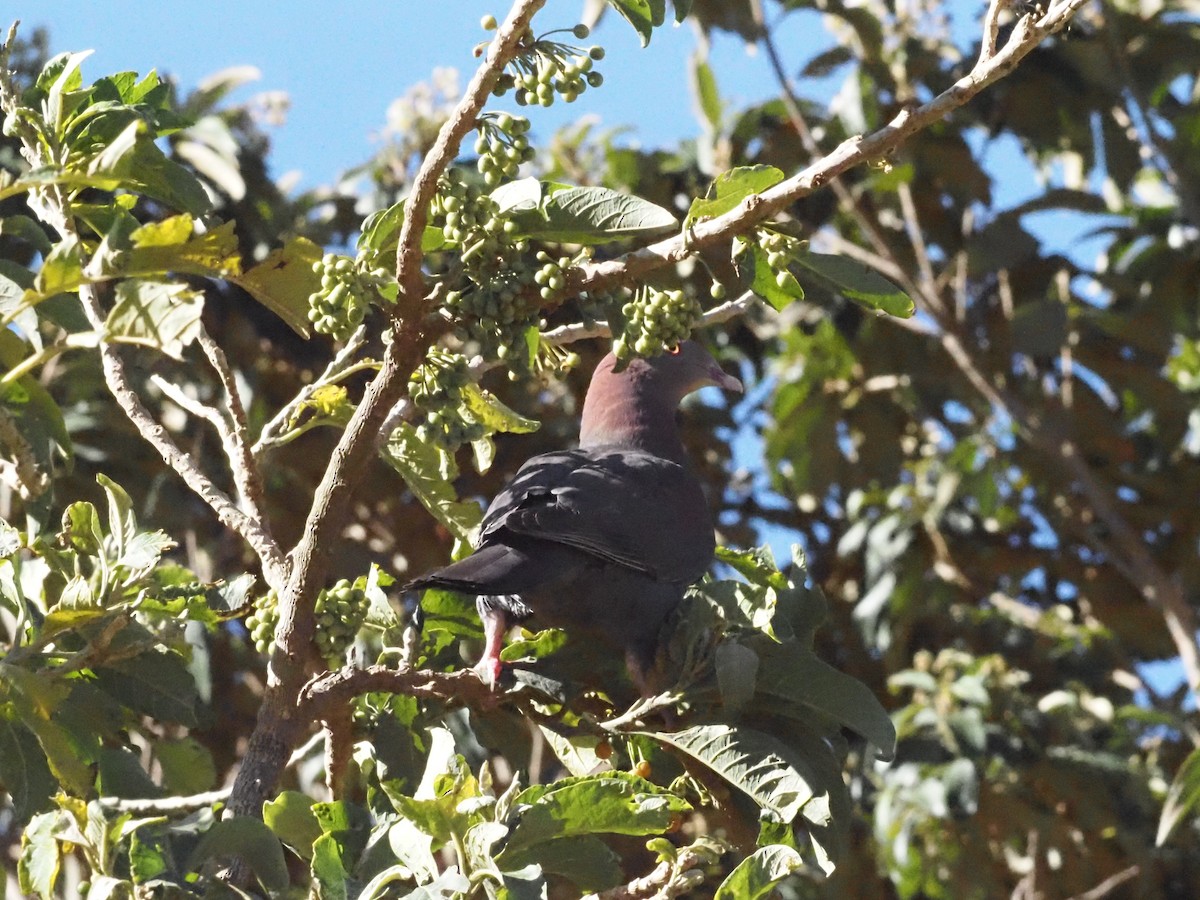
{"x": 251, "y": 529}
{"x": 671, "y": 878}
{"x": 278, "y": 725}
{"x": 628, "y": 268}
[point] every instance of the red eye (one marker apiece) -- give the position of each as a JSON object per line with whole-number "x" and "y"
{"x": 676, "y": 350}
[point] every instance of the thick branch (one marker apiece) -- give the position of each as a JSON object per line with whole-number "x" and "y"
{"x": 278, "y": 724}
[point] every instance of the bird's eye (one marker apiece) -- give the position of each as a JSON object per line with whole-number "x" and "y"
{"x": 676, "y": 350}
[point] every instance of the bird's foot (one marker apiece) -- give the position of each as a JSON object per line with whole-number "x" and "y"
{"x": 488, "y": 670}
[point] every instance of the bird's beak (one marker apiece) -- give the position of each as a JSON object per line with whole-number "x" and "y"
{"x": 723, "y": 379}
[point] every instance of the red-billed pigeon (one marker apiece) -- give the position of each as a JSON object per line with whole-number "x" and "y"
{"x": 604, "y": 539}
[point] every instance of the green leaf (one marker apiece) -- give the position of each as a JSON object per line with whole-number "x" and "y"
{"x": 381, "y": 229}
{"x": 328, "y": 869}
{"x": 577, "y": 753}
{"x": 156, "y": 314}
{"x": 28, "y": 230}
{"x": 60, "y": 76}
{"x": 413, "y": 848}
{"x": 1183, "y": 798}
{"x": 284, "y": 280}
{"x": 421, "y": 467}
{"x": 23, "y": 769}
{"x": 250, "y": 840}
{"x": 765, "y": 281}
{"x": 521, "y": 196}
{"x": 291, "y": 817}
{"x": 861, "y": 284}
{"x": 737, "y": 671}
{"x": 136, "y": 162}
{"x": 153, "y": 683}
{"x": 38, "y": 418}
{"x": 757, "y": 764}
{"x": 143, "y": 552}
{"x": 41, "y": 857}
{"x": 36, "y": 698}
{"x": 17, "y": 302}
{"x": 791, "y": 675}
{"x": 707, "y": 96}
{"x": 158, "y": 250}
{"x": 757, "y": 875}
{"x": 121, "y": 523}
{"x": 591, "y": 215}
{"x": 149, "y": 857}
{"x": 584, "y": 860}
{"x": 81, "y": 528}
{"x": 490, "y": 412}
{"x": 187, "y": 765}
{"x": 61, "y": 271}
{"x": 450, "y": 885}
{"x": 639, "y": 14}
{"x": 120, "y": 774}
{"x": 606, "y": 803}
{"x": 10, "y": 539}
{"x": 541, "y": 644}
{"x": 731, "y": 188}
{"x": 452, "y": 613}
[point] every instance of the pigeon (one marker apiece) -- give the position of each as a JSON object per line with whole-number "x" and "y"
{"x": 602, "y": 540}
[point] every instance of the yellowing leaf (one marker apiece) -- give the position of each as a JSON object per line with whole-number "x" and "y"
{"x": 283, "y": 281}
{"x": 174, "y": 230}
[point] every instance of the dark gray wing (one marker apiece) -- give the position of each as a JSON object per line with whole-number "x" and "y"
{"x": 623, "y": 506}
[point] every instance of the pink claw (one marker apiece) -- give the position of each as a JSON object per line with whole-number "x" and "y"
{"x": 495, "y": 623}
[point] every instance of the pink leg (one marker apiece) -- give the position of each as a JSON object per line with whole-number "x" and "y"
{"x": 495, "y": 624}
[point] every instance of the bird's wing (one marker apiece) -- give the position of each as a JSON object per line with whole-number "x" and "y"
{"x": 623, "y": 506}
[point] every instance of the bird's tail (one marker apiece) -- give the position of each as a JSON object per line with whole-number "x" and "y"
{"x": 495, "y": 569}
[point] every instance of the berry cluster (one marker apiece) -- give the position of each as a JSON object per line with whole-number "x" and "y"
{"x": 654, "y": 321}
{"x": 551, "y": 275}
{"x": 780, "y": 249}
{"x": 371, "y": 707}
{"x": 471, "y": 219}
{"x": 340, "y": 612}
{"x": 436, "y": 388}
{"x": 545, "y": 68}
{"x": 262, "y": 621}
{"x": 502, "y": 146}
{"x": 340, "y": 304}
{"x": 494, "y": 298}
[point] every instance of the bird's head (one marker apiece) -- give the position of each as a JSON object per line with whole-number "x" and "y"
{"x": 636, "y": 404}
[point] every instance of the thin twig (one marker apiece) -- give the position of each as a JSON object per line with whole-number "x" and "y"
{"x": 991, "y": 29}
{"x": 1109, "y": 884}
{"x": 342, "y": 364}
{"x": 164, "y": 806}
{"x": 117, "y": 378}
{"x": 670, "y": 878}
{"x": 246, "y": 474}
{"x": 569, "y": 334}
